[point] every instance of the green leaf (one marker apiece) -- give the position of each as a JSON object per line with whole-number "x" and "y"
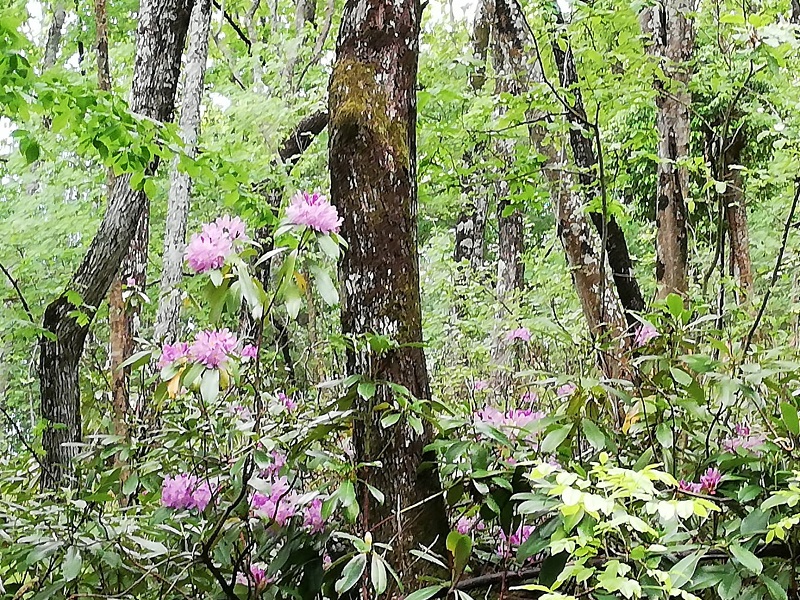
{"x": 426, "y": 593}
{"x": 328, "y": 246}
{"x": 351, "y": 573}
{"x": 746, "y": 558}
{"x": 293, "y": 299}
{"x": 790, "y": 418}
{"x": 554, "y": 438}
{"x": 378, "y": 575}
{"x": 72, "y": 564}
{"x": 593, "y": 434}
{"x": 131, "y": 483}
{"x": 209, "y": 385}
{"x": 681, "y": 573}
{"x": 156, "y": 548}
{"x": 730, "y": 586}
{"x": 460, "y": 546}
{"x": 776, "y": 590}
{"x": 664, "y": 435}
{"x": 137, "y": 360}
{"x": 325, "y": 286}
{"x": 366, "y": 389}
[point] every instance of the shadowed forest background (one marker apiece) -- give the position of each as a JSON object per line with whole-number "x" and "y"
{"x": 378, "y": 298}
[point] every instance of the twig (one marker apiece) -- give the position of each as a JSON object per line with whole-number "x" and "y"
{"x": 16, "y": 287}
{"x": 239, "y": 31}
{"x": 775, "y": 271}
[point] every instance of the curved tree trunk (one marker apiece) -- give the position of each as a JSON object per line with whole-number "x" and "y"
{"x": 372, "y": 101}
{"x": 160, "y": 38}
{"x": 169, "y": 306}
{"x": 593, "y": 285}
{"x": 672, "y": 40}
{"x": 619, "y": 259}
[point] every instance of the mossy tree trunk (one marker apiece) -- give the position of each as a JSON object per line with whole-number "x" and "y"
{"x": 372, "y": 103}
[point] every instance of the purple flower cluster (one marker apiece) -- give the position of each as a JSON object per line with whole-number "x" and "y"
{"x": 480, "y": 384}
{"x": 288, "y": 404}
{"x": 210, "y": 248}
{"x": 185, "y": 492}
{"x": 257, "y": 578}
{"x": 520, "y": 333}
{"x": 644, "y": 334}
{"x": 313, "y": 210}
{"x": 566, "y": 390}
{"x": 211, "y": 348}
{"x": 743, "y": 438}
{"x": 512, "y": 421}
{"x": 708, "y": 484}
{"x": 467, "y": 525}
{"x": 514, "y": 541}
{"x": 281, "y": 504}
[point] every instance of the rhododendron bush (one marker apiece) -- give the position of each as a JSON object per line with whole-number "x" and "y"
{"x": 233, "y": 487}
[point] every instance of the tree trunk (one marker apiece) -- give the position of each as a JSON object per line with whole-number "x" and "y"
{"x": 160, "y": 38}
{"x": 672, "y": 40}
{"x": 169, "y": 306}
{"x": 508, "y": 58}
{"x": 471, "y": 225}
{"x": 583, "y": 154}
{"x": 741, "y": 266}
{"x": 54, "y": 36}
{"x": 372, "y": 100}
{"x": 593, "y": 285}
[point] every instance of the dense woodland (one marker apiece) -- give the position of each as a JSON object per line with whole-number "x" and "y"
{"x": 399, "y": 299}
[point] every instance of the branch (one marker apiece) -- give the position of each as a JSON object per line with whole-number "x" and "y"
{"x": 775, "y": 271}
{"x": 239, "y": 31}
{"x": 21, "y": 297}
{"x": 300, "y": 139}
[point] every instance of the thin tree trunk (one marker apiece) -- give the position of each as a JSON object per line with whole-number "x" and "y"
{"x": 305, "y": 13}
{"x": 160, "y": 38}
{"x": 672, "y": 40}
{"x": 54, "y": 36}
{"x": 471, "y": 225}
{"x": 169, "y": 306}
{"x": 583, "y": 154}
{"x": 372, "y": 100}
{"x": 736, "y": 215}
{"x": 512, "y": 78}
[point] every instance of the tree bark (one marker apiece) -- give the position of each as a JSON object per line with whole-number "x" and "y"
{"x": 372, "y": 101}
{"x": 619, "y": 259}
{"x": 160, "y": 38}
{"x": 672, "y": 41}
{"x": 741, "y": 267}
{"x": 169, "y": 306}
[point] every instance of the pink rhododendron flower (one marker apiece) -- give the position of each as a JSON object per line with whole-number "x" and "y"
{"x": 689, "y": 486}
{"x": 566, "y": 390}
{"x": 249, "y": 351}
{"x": 744, "y": 438}
{"x": 213, "y": 348}
{"x": 466, "y": 525}
{"x": 278, "y": 462}
{"x": 480, "y": 385}
{"x": 278, "y": 505}
{"x": 172, "y": 352}
{"x": 710, "y": 480}
{"x": 313, "y": 517}
{"x": 241, "y": 411}
{"x": 529, "y": 397}
{"x": 514, "y": 541}
{"x": 521, "y": 333}
{"x": 644, "y": 334}
{"x": 209, "y": 249}
{"x": 510, "y": 422}
{"x": 234, "y": 227}
{"x": 314, "y": 211}
{"x": 257, "y": 578}
{"x": 287, "y": 402}
{"x": 185, "y": 492}
{"x": 206, "y": 252}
